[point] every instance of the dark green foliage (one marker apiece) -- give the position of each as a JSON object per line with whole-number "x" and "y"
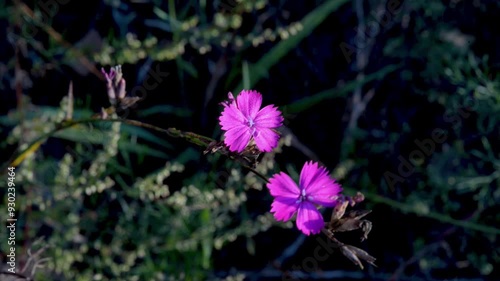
{"x": 414, "y": 126}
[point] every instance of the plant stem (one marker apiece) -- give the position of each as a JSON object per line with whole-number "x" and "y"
{"x": 196, "y": 139}
{"x": 19, "y": 156}
{"x": 408, "y": 208}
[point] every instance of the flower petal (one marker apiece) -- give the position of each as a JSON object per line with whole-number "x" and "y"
{"x": 231, "y": 117}
{"x": 310, "y": 171}
{"x": 283, "y": 208}
{"x": 230, "y": 100}
{"x": 265, "y": 139}
{"x": 268, "y": 117}
{"x": 319, "y": 186}
{"x": 282, "y": 185}
{"x": 249, "y": 102}
{"x": 237, "y": 138}
{"x": 325, "y": 194}
{"x": 309, "y": 219}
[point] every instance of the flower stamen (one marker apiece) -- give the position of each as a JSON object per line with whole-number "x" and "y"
{"x": 316, "y": 188}
{"x": 242, "y": 113}
{"x": 250, "y": 122}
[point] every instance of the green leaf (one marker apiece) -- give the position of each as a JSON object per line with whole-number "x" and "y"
{"x": 310, "y": 22}
{"x": 16, "y": 116}
{"x": 207, "y": 242}
{"x": 250, "y": 246}
{"x": 190, "y": 154}
{"x": 161, "y": 14}
{"x": 188, "y": 67}
{"x": 164, "y": 109}
{"x": 119, "y": 167}
{"x": 311, "y": 101}
{"x": 146, "y": 135}
{"x": 141, "y": 150}
{"x": 82, "y": 133}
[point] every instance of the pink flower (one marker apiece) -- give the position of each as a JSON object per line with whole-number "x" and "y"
{"x": 315, "y": 187}
{"x": 243, "y": 121}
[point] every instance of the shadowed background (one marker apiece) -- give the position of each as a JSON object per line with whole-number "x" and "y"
{"x": 398, "y": 99}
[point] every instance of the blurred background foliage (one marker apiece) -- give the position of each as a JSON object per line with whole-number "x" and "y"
{"x": 362, "y": 85}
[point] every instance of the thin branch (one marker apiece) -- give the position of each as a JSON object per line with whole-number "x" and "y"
{"x": 358, "y": 101}
{"x": 193, "y": 138}
{"x": 255, "y": 172}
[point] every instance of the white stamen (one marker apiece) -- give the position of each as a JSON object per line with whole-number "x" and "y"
{"x": 250, "y": 122}
{"x": 303, "y": 197}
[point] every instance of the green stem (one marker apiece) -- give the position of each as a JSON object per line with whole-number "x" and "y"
{"x": 407, "y": 208}
{"x": 255, "y": 172}
{"x": 203, "y": 141}
{"x": 193, "y": 138}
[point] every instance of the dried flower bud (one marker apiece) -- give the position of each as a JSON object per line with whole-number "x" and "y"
{"x": 109, "y": 76}
{"x": 111, "y": 93}
{"x": 339, "y": 211}
{"x": 343, "y": 221}
{"x": 118, "y": 76}
{"x": 355, "y": 254}
{"x": 359, "y": 197}
{"x": 121, "y": 89}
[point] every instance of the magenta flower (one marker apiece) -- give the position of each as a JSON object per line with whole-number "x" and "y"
{"x": 243, "y": 121}
{"x": 315, "y": 187}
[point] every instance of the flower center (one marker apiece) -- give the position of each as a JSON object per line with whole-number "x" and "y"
{"x": 253, "y": 131}
{"x": 302, "y": 196}
{"x": 250, "y": 122}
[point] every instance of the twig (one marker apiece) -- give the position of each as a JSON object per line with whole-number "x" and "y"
{"x": 218, "y": 72}
{"x": 358, "y": 101}
{"x": 297, "y": 144}
{"x": 361, "y": 61}
{"x": 196, "y": 139}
